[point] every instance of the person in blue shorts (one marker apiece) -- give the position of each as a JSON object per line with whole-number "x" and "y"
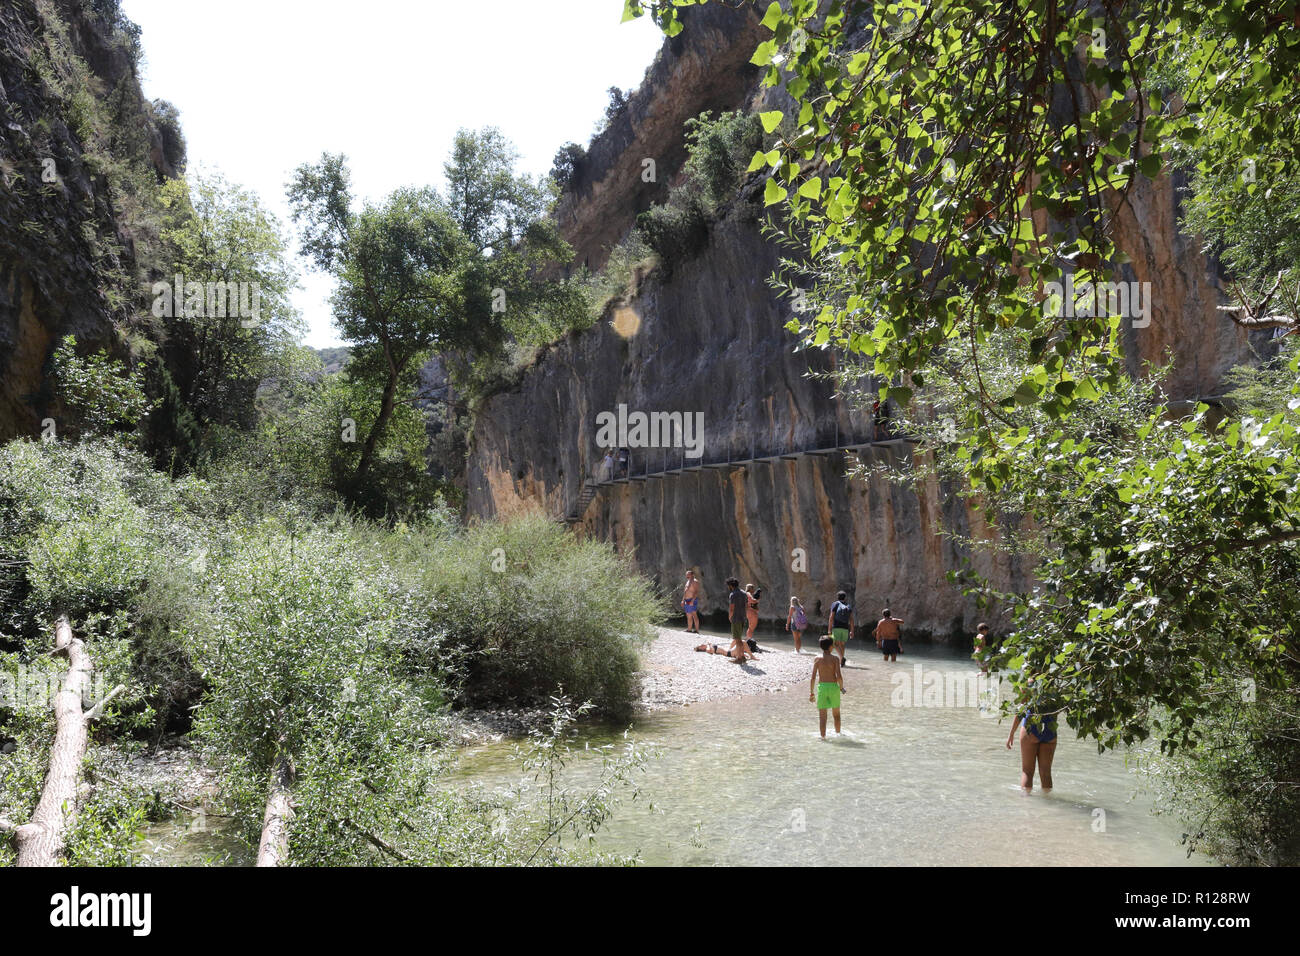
{"x": 1037, "y": 746}
{"x": 691, "y": 602}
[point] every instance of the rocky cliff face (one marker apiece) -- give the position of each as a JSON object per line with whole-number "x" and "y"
{"x": 704, "y": 68}
{"x": 710, "y": 339}
{"x": 1186, "y": 292}
{"x": 71, "y": 118}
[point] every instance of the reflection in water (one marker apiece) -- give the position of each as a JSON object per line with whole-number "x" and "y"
{"x": 749, "y": 781}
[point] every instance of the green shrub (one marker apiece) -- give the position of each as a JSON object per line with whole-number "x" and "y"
{"x": 297, "y": 643}
{"x": 75, "y": 529}
{"x": 718, "y": 154}
{"x": 677, "y": 230}
{"x": 1236, "y": 790}
{"x": 539, "y": 613}
{"x": 719, "y": 151}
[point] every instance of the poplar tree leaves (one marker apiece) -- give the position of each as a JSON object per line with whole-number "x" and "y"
{"x": 885, "y": 117}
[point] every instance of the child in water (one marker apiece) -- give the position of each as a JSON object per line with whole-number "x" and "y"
{"x": 826, "y": 685}
{"x": 980, "y": 651}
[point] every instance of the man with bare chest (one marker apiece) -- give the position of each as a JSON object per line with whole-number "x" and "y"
{"x": 691, "y": 603}
{"x": 889, "y": 635}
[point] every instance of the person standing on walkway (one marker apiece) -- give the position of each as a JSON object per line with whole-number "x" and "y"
{"x": 607, "y": 466}
{"x": 623, "y": 458}
{"x": 889, "y": 635}
{"x": 691, "y": 602}
{"x": 840, "y": 625}
{"x": 796, "y": 622}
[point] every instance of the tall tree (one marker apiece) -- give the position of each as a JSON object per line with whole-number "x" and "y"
{"x": 421, "y": 274}
{"x": 214, "y": 357}
{"x": 401, "y": 268}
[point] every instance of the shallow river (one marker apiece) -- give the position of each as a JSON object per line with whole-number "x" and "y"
{"x": 749, "y": 781}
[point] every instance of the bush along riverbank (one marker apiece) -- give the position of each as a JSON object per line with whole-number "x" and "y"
{"x": 312, "y": 658}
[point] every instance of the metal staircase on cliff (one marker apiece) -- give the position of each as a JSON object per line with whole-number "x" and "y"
{"x": 584, "y": 498}
{"x": 592, "y": 486}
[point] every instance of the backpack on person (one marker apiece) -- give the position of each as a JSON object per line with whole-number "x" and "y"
{"x": 840, "y": 614}
{"x": 800, "y": 619}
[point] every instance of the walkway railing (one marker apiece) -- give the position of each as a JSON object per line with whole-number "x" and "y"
{"x": 672, "y": 462}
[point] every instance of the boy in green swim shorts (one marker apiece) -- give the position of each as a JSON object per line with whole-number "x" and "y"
{"x": 826, "y": 685}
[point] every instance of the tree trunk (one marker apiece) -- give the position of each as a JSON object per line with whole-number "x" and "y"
{"x": 386, "y": 406}
{"x": 40, "y": 841}
{"x": 274, "y": 848}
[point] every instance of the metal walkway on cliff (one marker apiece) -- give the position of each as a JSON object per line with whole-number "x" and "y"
{"x": 683, "y": 465}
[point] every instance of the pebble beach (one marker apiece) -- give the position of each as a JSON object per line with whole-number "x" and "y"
{"x": 674, "y": 674}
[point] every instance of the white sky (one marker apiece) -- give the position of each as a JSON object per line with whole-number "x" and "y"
{"x": 265, "y": 85}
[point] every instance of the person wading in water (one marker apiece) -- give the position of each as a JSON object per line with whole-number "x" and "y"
{"x": 840, "y": 626}
{"x": 826, "y": 685}
{"x": 1037, "y": 745}
{"x": 888, "y": 635}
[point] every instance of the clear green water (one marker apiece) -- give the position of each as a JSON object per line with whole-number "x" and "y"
{"x": 749, "y": 781}
{"x": 186, "y": 840}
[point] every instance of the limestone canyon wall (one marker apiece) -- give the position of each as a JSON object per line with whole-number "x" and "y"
{"x": 710, "y": 339}
{"x": 63, "y": 242}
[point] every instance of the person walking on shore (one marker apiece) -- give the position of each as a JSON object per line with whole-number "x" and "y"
{"x": 889, "y": 636}
{"x": 737, "y": 611}
{"x": 691, "y": 602}
{"x": 796, "y": 622}
{"x": 826, "y": 686}
{"x": 840, "y": 625}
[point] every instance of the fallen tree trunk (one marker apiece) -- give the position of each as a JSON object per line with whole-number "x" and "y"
{"x": 40, "y": 841}
{"x": 274, "y": 847}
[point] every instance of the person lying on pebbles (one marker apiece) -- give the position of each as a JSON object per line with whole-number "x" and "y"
{"x": 715, "y": 649}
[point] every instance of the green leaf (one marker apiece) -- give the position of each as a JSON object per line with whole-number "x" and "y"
{"x": 763, "y": 55}
{"x": 771, "y": 120}
{"x": 1149, "y": 166}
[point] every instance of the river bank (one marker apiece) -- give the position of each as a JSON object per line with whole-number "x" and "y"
{"x": 674, "y": 674}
